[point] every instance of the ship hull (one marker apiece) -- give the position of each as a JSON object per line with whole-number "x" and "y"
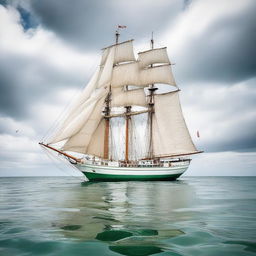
{"x": 109, "y": 173}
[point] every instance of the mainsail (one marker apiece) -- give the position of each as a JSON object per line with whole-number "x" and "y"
{"x": 120, "y": 82}
{"x": 170, "y": 134}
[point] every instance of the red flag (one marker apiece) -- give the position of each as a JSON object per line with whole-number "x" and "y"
{"x": 197, "y": 134}
{"x": 121, "y": 26}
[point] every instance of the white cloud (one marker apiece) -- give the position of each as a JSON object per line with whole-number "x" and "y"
{"x": 224, "y": 115}
{"x": 19, "y": 140}
{"x": 198, "y": 18}
{"x": 22, "y": 156}
{"x": 42, "y": 45}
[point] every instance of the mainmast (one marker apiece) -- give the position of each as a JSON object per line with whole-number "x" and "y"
{"x": 151, "y": 89}
{"x": 127, "y": 121}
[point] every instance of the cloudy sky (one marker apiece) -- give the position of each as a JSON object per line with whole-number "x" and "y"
{"x": 49, "y": 49}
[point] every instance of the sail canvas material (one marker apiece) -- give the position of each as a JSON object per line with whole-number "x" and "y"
{"x": 76, "y": 120}
{"x": 123, "y": 52}
{"x": 120, "y": 97}
{"x": 93, "y": 92}
{"x": 154, "y": 56}
{"x": 170, "y": 133}
{"x": 126, "y": 74}
{"x": 95, "y": 146}
{"x": 132, "y": 74}
{"x": 76, "y": 107}
{"x": 80, "y": 141}
{"x": 106, "y": 74}
{"x": 159, "y": 74}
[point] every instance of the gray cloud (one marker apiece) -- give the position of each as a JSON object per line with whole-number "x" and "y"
{"x": 227, "y": 115}
{"x": 25, "y": 80}
{"x": 223, "y": 52}
{"x": 86, "y": 23}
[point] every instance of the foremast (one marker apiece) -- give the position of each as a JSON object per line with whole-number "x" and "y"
{"x": 106, "y": 113}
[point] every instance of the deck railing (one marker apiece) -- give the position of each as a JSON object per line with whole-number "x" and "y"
{"x": 152, "y": 163}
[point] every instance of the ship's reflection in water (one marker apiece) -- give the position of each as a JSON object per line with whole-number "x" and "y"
{"x": 133, "y": 218}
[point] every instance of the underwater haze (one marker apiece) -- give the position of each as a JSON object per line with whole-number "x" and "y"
{"x": 65, "y": 216}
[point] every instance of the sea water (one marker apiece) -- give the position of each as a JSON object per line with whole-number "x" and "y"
{"x": 64, "y": 216}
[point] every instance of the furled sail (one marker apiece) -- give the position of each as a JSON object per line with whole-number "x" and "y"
{"x": 153, "y": 56}
{"x": 159, "y": 74}
{"x": 120, "y": 97}
{"x": 170, "y": 133}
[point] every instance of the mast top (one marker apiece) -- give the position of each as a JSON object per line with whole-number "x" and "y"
{"x": 117, "y": 35}
{"x": 117, "y": 32}
{"x": 152, "y": 40}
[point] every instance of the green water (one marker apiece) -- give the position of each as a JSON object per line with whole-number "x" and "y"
{"x": 192, "y": 216}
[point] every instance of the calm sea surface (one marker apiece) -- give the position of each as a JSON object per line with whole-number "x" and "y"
{"x": 64, "y": 216}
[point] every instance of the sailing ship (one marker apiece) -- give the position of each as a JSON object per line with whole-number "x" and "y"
{"x": 125, "y": 126}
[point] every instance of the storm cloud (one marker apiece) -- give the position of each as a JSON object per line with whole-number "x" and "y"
{"x": 86, "y": 23}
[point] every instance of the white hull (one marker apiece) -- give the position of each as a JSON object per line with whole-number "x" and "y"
{"x": 100, "y": 172}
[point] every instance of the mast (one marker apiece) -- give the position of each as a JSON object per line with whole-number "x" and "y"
{"x": 151, "y": 89}
{"x": 117, "y": 35}
{"x": 127, "y": 120}
{"x": 106, "y": 113}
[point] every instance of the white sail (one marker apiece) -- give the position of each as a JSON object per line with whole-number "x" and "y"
{"x": 106, "y": 73}
{"x": 170, "y": 133}
{"x": 75, "y": 108}
{"x": 86, "y": 93}
{"x": 154, "y": 56}
{"x": 104, "y": 56}
{"x": 75, "y": 124}
{"x": 80, "y": 141}
{"x": 159, "y": 74}
{"x": 126, "y": 74}
{"x": 120, "y": 97}
{"x": 96, "y": 145}
{"x": 123, "y": 52}
{"x": 84, "y": 105}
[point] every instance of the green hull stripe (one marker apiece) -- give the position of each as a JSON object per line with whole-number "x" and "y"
{"x": 110, "y": 177}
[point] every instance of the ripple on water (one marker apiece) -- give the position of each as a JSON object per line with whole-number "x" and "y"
{"x": 190, "y": 217}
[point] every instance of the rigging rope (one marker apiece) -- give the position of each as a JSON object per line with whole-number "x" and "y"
{"x": 61, "y": 117}
{"x": 57, "y": 160}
